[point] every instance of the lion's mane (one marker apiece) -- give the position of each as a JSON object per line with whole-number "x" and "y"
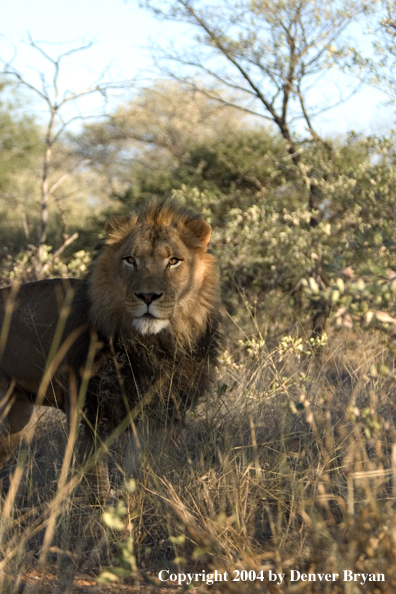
{"x": 159, "y": 375}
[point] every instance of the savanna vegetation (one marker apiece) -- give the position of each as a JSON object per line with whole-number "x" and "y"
{"x": 291, "y": 463}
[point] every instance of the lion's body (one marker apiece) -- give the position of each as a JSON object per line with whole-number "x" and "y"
{"x": 150, "y": 300}
{"x": 30, "y": 336}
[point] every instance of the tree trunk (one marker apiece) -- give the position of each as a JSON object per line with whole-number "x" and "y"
{"x": 42, "y": 238}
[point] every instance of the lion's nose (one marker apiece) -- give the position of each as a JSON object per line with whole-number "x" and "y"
{"x": 148, "y": 297}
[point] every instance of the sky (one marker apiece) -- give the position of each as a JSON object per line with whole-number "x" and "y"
{"x": 120, "y": 31}
{"x": 117, "y": 27}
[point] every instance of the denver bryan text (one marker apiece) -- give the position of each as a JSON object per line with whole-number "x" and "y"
{"x": 347, "y": 576}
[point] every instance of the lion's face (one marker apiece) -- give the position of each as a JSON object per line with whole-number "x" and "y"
{"x": 156, "y": 271}
{"x": 156, "y": 274}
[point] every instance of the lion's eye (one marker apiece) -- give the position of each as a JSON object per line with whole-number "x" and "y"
{"x": 130, "y": 260}
{"x": 173, "y": 261}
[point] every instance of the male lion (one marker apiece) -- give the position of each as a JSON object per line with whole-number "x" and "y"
{"x": 137, "y": 339}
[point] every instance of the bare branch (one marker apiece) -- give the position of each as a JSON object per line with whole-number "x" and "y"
{"x": 49, "y": 93}
{"x": 226, "y": 102}
{"x": 102, "y": 89}
{"x": 65, "y": 244}
{"x": 58, "y": 183}
{"x": 212, "y": 73}
{"x": 68, "y": 241}
{"x": 26, "y": 84}
{"x": 217, "y": 42}
{"x": 39, "y": 49}
{"x": 74, "y": 119}
{"x": 306, "y": 116}
{"x": 330, "y": 106}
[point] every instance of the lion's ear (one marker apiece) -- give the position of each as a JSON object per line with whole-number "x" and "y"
{"x": 117, "y": 227}
{"x": 201, "y": 230}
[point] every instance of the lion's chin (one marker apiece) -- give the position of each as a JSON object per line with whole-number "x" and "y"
{"x": 146, "y": 325}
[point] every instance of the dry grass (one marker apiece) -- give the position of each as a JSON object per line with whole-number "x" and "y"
{"x": 291, "y": 467}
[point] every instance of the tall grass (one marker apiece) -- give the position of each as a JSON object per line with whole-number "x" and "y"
{"x": 291, "y": 465}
